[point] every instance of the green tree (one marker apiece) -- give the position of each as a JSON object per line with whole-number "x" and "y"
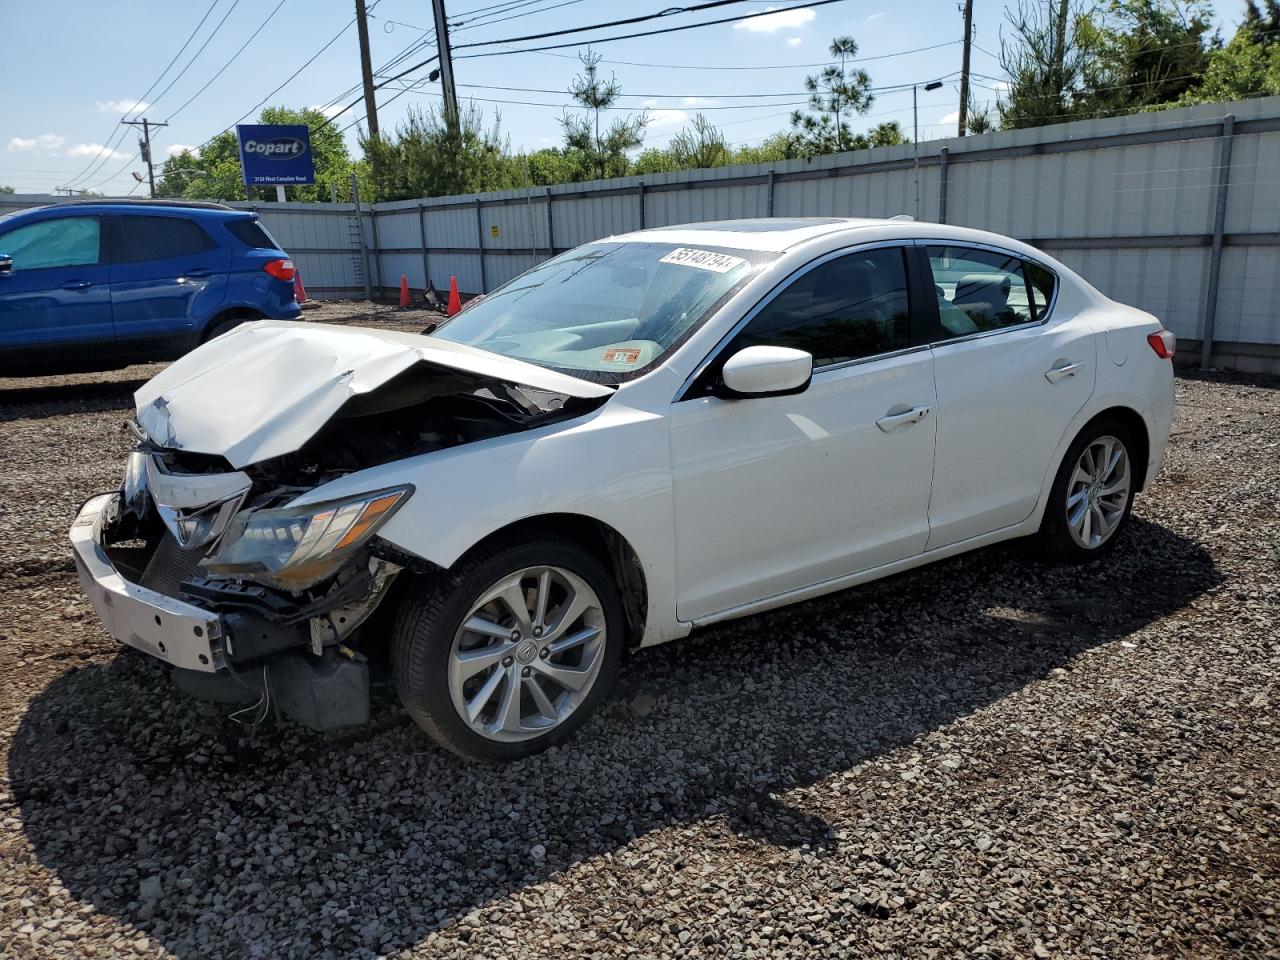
{"x": 605, "y": 151}
{"x": 427, "y": 157}
{"x": 1263, "y": 21}
{"x": 835, "y": 95}
{"x": 700, "y": 145}
{"x": 1144, "y": 53}
{"x": 1046, "y": 58}
{"x": 551, "y": 165}
{"x": 1248, "y": 66}
{"x": 4, "y": 189}
{"x": 215, "y": 173}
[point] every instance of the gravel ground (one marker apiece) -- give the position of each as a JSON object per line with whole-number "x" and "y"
{"x": 985, "y": 757}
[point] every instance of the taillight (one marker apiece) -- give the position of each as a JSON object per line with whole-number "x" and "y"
{"x": 1163, "y": 343}
{"x": 280, "y": 269}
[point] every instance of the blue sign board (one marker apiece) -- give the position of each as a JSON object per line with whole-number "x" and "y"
{"x": 275, "y": 153}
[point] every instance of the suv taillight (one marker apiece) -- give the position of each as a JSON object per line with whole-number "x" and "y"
{"x": 280, "y": 269}
{"x": 1163, "y": 342}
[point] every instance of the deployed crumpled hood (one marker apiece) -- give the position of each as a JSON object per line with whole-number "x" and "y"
{"x": 265, "y": 388}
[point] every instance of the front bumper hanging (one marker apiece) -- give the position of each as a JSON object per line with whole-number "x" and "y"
{"x": 171, "y": 630}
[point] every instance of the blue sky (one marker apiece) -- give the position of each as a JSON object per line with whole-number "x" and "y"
{"x": 71, "y": 70}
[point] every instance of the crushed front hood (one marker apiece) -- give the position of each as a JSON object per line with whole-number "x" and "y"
{"x": 265, "y": 388}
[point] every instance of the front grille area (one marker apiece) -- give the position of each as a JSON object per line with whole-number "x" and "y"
{"x": 169, "y": 566}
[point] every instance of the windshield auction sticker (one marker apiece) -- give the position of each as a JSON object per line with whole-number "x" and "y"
{"x": 621, "y": 355}
{"x": 702, "y": 259}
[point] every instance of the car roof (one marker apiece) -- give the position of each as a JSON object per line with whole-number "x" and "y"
{"x": 106, "y": 205}
{"x": 773, "y": 234}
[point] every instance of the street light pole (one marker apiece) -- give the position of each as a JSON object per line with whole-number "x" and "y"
{"x": 915, "y": 134}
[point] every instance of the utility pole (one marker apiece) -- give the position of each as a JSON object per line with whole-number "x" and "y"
{"x": 446, "y": 66}
{"x": 144, "y": 148}
{"x": 964, "y": 67}
{"x": 366, "y": 69}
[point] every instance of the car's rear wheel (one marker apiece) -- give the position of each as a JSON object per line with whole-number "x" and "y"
{"x": 510, "y": 651}
{"x": 227, "y": 324}
{"x": 1092, "y": 494}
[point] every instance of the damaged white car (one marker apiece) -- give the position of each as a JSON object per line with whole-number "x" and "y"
{"x": 646, "y": 434}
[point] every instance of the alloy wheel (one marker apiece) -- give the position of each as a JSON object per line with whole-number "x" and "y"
{"x": 1098, "y": 492}
{"x": 527, "y": 654}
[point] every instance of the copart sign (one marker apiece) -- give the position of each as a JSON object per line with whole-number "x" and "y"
{"x": 275, "y": 153}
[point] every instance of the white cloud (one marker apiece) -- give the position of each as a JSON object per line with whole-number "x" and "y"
{"x": 176, "y": 148}
{"x": 43, "y": 143}
{"x": 951, "y": 118}
{"x": 699, "y": 101}
{"x": 794, "y": 41}
{"x": 121, "y": 106}
{"x": 1000, "y": 85}
{"x": 88, "y": 151}
{"x": 330, "y": 111}
{"x": 773, "y": 22}
{"x": 875, "y": 16}
{"x": 667, "y": 118}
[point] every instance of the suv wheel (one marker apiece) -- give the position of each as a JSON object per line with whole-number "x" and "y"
{"x": 511, "y": 651}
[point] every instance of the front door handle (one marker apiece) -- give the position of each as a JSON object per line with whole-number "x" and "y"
{"x": 77, "y": 284}
{"x": 198, "y": 272}
{"x": 894, "y": 420}
{"x": 1061, "y": 371}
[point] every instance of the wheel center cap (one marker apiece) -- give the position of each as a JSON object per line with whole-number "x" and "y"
{"x": 526, "y": 652}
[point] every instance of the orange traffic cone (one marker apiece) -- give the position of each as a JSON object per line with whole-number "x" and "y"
{"x": 455, "y": 302}
{"x": 404, "y": 291}
{"x": 299, "y": 291}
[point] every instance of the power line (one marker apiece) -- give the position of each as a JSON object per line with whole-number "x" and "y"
{"x": 670, "y": 11}
{"x": 195, "y": 56}
{"x": 631, "y": 36}
{"x": 119, "y": 131}
{"x": 481, "y": 22}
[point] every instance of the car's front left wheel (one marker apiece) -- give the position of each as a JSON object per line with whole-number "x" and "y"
{"x": 511, "y": 650}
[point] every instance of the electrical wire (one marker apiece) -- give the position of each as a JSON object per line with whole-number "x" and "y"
{"x": 481, "y": 22}
{"x": 767, "y": 66}
{"x": 120, "y": 130}
{"x": 670, "y": 11}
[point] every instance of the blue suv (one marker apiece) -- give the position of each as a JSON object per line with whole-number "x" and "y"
{"x": 95, "y": 285}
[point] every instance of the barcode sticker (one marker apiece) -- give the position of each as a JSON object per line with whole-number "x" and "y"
{"x": 702, "y": 259}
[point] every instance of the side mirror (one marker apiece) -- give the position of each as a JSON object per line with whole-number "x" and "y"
{"x": 765, "y": 372}
{"x": 6, "y": 263}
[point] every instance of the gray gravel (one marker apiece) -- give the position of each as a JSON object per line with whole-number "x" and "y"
{"x": 986, "y": 757}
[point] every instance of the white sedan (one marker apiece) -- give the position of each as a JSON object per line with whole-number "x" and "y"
{"x": 644, "y": 435}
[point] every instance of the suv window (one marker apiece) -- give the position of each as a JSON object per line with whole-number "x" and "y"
{"x": 64, "y": 242}
{"x": 252, "y": 234}
{"x": 845, "y": 309}
{"x": 159, "y": 238}
{"x": 978, "y": 290}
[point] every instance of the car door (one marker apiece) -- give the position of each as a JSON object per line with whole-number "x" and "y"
{"x": 167, "y": 275}
{"x": 55, "y": 307}
{"x": 1010, "y": 376}
{"x": 774, "y": 494}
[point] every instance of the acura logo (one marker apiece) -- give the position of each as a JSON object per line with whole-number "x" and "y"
{"x": 280, "y": 148}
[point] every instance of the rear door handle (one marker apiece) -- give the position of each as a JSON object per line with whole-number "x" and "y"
{"x": 1062, "y": 371}
{"x": 895, "y": 420}
{"x": 198, "y": 272}
{"x": 77, "y": 284}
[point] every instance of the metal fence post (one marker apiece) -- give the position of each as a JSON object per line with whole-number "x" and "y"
{"x": 422, "y": 232}
{"x": 377, "y": 248}
{"x": 1215, "y": 253}
{"x": 942, "y": 186}
{"x": 768, "y": 202}
{"x": 551, "y": 228}
{"x": 640, "y": 193}
{"x": 364, "y": 247}
{"x": 484, "y": 283}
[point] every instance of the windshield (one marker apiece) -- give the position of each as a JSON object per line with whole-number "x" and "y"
{"x": 605, "y": 312}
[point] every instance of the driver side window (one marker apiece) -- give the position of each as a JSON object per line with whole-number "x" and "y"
{"x": 848, "y": 308}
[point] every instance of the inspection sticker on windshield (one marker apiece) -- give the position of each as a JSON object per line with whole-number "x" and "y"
{"x": 621, "y": 355}
{"x": 702, "y": 259}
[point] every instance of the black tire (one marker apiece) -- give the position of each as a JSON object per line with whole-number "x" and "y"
{"x": 1054, "y": 539}
{"x": 429, "y": 619}
{"x": 223, "y": 326}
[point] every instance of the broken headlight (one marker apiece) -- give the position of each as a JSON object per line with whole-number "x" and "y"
{"x": 296, "y": 547}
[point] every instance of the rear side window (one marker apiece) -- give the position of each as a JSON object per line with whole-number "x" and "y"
{"x": 978, "y": 290}
{"x": 160, "y": 238}
{"x": 64, "y": 242}
{"x": 1040, "y": 283}
{"x": 845, "y": 309}
{"x": 252, "y": 234}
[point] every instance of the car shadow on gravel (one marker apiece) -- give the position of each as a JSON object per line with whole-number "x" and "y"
{"x": 218, "y": 842}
